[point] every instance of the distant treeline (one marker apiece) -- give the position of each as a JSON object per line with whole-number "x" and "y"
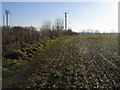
{"x": 19, "y": 35}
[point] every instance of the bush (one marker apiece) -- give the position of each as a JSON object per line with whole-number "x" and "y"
{"x": 29, "y": 51}
{"x": 12, "y": 55}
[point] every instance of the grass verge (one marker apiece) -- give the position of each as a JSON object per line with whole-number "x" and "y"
{"x": 18, "y": 57}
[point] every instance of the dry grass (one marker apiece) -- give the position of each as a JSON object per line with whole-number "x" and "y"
{"x": 84, "y": 61}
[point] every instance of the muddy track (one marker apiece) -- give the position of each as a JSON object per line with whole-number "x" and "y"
{"x": 73, "y": 62}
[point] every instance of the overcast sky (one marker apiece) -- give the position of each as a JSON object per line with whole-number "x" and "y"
{"x": 81, "y": 15}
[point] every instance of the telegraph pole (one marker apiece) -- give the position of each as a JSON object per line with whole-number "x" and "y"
{"x": 3, "y": 20}
{"x": 65, "y": 20}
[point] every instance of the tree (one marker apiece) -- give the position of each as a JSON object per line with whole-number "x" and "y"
{"x": 46, "y": 28}
{"x": 58, "y": 27}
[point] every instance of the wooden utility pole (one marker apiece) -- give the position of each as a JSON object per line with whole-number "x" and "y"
{"x": 3, "y": 20}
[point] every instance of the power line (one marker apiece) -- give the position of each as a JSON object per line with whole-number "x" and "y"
{"x": 36, "y": 15}
{"x": 69, "y": 24}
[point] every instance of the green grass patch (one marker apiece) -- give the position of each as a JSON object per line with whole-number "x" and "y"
{"x": 15, "y": 59}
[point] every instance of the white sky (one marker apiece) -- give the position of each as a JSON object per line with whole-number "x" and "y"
{"x": 108, "y": 21}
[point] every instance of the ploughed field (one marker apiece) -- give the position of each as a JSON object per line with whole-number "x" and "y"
{"x": 83, "y": 61}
